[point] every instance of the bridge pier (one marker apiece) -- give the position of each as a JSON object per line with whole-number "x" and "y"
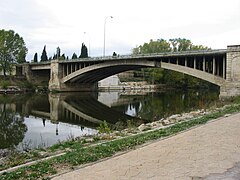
{"x": 56, "y": 84}
{"x": 231, "y": 86}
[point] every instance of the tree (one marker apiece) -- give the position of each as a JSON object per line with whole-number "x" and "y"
{"x": 179, "y": 44}
{"x": 74, "y": 56}
{"x": 35, "y": 59}
{"x": 12, "y": 50}
{"x": 153, "y": 75}
{"x": 12, "y": 128}
{"x": 44, "y": 55}
{"x": 158, "y": 46}
{"x": 58, "y": 52}
{"x": 63, "y": 57}
{"x": 84, "y": 51}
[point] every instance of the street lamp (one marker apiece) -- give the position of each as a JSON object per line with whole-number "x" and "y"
{"x": 105, "y": 33}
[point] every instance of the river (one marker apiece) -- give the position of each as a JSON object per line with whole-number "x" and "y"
{"x": 40, "y": 120}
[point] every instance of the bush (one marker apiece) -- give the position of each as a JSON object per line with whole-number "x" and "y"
{"x": 4, "y": 84}
{"x": 104, "y": 128}
{"x": 27, "y": 85}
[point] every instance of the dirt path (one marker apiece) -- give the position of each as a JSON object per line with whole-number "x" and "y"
{"x": 211, "y": 151}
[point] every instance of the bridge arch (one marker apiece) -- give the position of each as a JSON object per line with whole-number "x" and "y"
{"x": 217, "y": 80}
{"x": 97, "y": 72}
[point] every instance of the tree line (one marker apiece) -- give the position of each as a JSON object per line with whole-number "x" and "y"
{"x": 59, "y": 56}
{"x": 13, "y": 50}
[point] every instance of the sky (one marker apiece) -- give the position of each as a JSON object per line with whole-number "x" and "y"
{"x": 69, "y": 23}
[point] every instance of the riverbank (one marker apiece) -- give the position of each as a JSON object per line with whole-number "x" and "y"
{"x": 207, "y": 152}
{"x": 16, "y": 85}
{"x": 79, "y": 151}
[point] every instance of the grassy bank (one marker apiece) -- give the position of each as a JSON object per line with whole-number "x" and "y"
{"x": 83, "y": 151}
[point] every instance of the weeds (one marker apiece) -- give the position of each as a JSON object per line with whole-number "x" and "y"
{"x": 104, "y": 128}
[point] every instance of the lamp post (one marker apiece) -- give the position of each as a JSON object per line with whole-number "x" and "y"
{"x": 104, "y": 35}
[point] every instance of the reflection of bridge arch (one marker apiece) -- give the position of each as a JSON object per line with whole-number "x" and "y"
{"x": 93, "y": 111}
{"x": 70, "y": 112}
{"x": 79, "y": 109}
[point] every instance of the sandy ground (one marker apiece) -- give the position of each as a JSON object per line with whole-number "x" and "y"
{"x": 211, "y": 152}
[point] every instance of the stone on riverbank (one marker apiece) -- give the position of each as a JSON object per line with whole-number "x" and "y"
{"x": 171, "y": 120}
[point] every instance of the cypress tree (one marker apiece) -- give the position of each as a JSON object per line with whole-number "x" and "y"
{"x": 74, "y": 56}
{"x": 44, "y": 54}
{"x": 84, "y": 51}
{"x": 58, "y": 52}
{"x": 35, "y": 59}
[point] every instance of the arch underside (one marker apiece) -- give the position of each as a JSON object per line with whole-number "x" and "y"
{"x": 96, "y": 73}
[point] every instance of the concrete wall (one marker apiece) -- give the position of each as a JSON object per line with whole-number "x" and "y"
{"x": 232, "y": 85}
{"x": 110, "y": 81}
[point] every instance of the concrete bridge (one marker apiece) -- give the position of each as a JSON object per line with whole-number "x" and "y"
{"x": 220, "y": 67}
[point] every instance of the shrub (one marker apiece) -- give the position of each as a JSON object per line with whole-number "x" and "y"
{"x": 104, "y": 128}
{"x": 4, "y": 84}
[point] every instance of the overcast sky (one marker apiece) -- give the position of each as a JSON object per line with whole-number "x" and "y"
{"x": 68, "y": 23}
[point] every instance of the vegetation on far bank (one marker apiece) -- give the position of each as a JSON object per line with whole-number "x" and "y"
{"x": 84, "y": 150}
{"x": 20, "y": 83}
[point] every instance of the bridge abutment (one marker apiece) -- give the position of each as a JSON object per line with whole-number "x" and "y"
{"x": 231, "y": 86}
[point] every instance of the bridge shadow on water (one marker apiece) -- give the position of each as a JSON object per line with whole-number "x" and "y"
{"x": 81, "y": 109}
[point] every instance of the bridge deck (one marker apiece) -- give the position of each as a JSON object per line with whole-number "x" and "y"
{"x": 152, "y": 55}
{"x": 141, "y": 56}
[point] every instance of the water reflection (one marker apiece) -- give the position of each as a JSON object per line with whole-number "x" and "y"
{"x": 12, "y": 127}
{"x": 156, "y": 105}
{"x": 28, "y": 121}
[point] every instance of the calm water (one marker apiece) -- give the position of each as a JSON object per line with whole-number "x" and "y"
{"x": 33, "y": 120}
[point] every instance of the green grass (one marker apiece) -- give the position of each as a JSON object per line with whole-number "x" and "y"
{"x": 81, "y": 155}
